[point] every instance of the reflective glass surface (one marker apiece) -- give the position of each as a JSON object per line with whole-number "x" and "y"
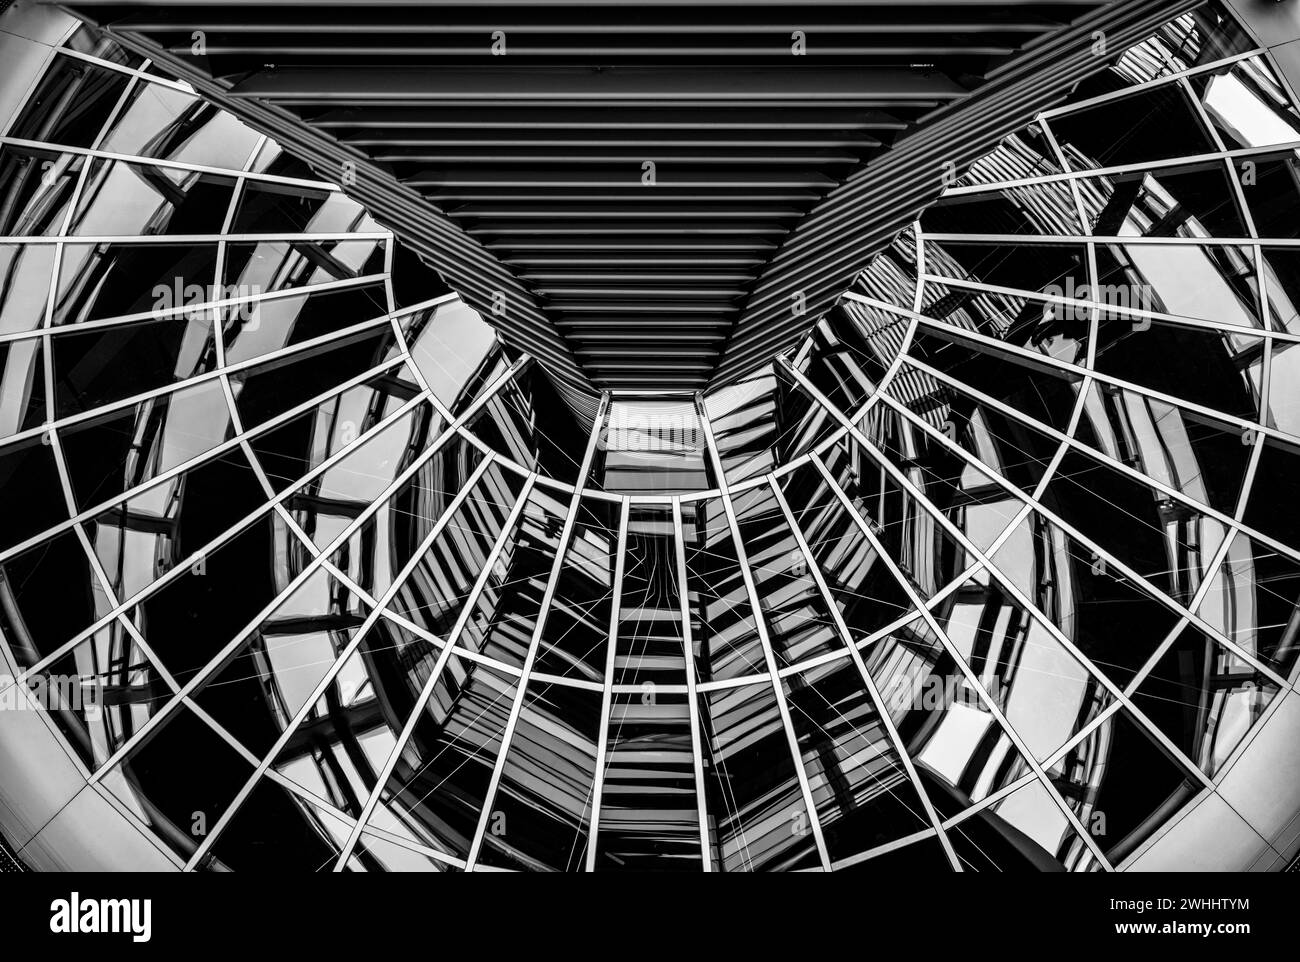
{"x": 998, "y": 569}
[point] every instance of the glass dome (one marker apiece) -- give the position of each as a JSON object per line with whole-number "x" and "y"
{"x": 303, "y": 568}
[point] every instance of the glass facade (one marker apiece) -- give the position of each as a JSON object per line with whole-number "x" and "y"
{"x": 301, "y": 568}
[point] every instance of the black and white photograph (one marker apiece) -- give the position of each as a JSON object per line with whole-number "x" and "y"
{"x": 650, "y": 438}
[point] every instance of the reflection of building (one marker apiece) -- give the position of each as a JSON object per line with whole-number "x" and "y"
{"x": 992, "y": 569}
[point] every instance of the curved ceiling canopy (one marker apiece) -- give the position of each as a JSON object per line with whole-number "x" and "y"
{"x": 637, "y": 196}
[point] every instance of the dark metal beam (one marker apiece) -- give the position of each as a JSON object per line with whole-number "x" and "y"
{"x": 497, "y": 85}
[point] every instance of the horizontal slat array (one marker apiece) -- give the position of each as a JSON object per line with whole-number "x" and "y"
{"x": 633, "y": 168}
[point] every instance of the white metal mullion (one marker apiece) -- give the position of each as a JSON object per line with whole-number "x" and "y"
{"x": 1238, "y": 330}
{"x": 97, "y": 567}
{"x": 877, "y": 702}
{"x": 389, "y": 251}
{"x": 400, "y": 337}
{"x": 1008, "y": 586}
{"x": 283, "y": 237}
{"x": 275, "y": 505}
{"x": 1234, "y": 178}
{"x": 341, "y": 577}
{"x": 1265, "y": 382}
{"x": 1133, "y": 240}
{"x": 692, "y": 687}
{"x": 139, "y": 160}
{"x": 1198, "y": 108}
{"x": 761, "y": 629}
{"x": 901, "y": 620}
{"x": 1061, "y": 161}
{"x": 1184, "y": 613}
{"x": 213, "y": 375}
{"x": 552, "y": 583}
{"x": 115, "y": 114}
{"x": 1076, "y": 415}
{"x": 256, "y": 152}
{"x": 227, "y": 391}
{"x": 1266, "y": 388}
{"x": 884, "y": 849}
{"x": 50, "y": 428}
{"x": 138, "y": 72}
{"x": 1084, "y": 732}
{"x": 316, "y": 801}
{"x": 955, "y": 653}
{"x": 470, "y": 655}
{"x": 825, "y": 658}
{"x": 219, "y": 341}
{"x": 607, "y": 696}
{"x": 625, "y": 689}
{"x": 1146, "y": 587}
{"x": 1231, "y": 522}
{"x": 435, "y": 674}
{"x": 918, "y": 298}
{"x": 214, "y": 664}
{"x": 309, "y": 704}
{"x": 1074, "y": 369}
{"x": 186, "y": 310}
{"x": 1237, "y": 527}
{"x": 740, "y": 681}
{"x": 1171, "y": 638}
{"x": 1133, "y": 168}
{"x": 206, "y": 457}
{"x": 1094, "y": 314}
{"x": 1006, "y": 791}
{"x": 219, "y": 730}
{"x": 427, "y": 303}
{"x": 1171, "y": 78}
{"x": 1257, "y": 251}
